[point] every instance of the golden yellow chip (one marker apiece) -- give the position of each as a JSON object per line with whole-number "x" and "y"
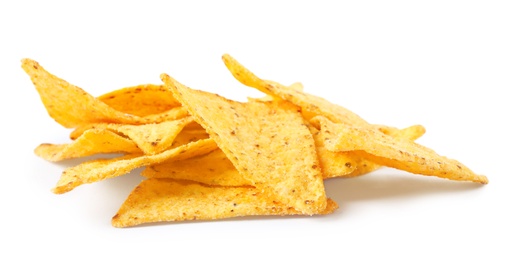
{"x": 207, "y": 157}
{"x": 97, "y": 170}
{"x": 188, "y": 135}
{"x": 92, "y": 142}
{"x": 157, "y": 200}
{"x": 141, "y": 100}
{"x": 309, "y": 103}
{"x": 298, "y": 86}
{"x": 332, "y": 164}
{"x": 150, "y": 138}
{"x": 69, "y": 105}
{"x": 213, "y": 168}
{"x": 403, "y": 154}
{"x": 364, "y": 166}
{"x": 171, "y": 114}
{"x": 269, "y": 144}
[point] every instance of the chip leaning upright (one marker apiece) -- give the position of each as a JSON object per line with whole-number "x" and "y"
{"x": 268, "y": 142}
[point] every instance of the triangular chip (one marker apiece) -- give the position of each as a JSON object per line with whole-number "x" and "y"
{"x": 101, "y": 169}
{"x": 213, "y": 168}
{"x": 69, "y": 105}
{"x": 150, "y": 138}
{"x": 268, "y": 143}
{"x": 157, "y": 200}
{"x": 298, "y": 86}
{"x": 364, "y": 166}
{"x": 141, "y": 100}
{"x": 92, "y": 142}
{"x": 403, "y": 154}
{"x": 309, "y": 103}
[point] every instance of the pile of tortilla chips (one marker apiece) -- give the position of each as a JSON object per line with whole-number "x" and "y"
{"x": 206, "y": 157}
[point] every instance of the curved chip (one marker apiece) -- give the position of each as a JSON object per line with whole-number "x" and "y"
{"x": 142, "y": 100}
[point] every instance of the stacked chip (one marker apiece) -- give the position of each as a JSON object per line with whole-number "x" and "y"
{"x": 207, "y": 157}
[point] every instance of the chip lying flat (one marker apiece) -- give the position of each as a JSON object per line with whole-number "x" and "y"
{"x": 156, "y": 200}
{"x": 269, "y": 144}
{"x": 385, "y": 150}
{"x": 97, "y": 170}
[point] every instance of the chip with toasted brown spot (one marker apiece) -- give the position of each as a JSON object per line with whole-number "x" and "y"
{"x": 403, "y": 154}
{"x": 268, "y": 142}
{"x": 142, "y": 100}
{"x": 162, "y": 200}
{"x": 93, "y": 141}
{"x": 97, "y": 170}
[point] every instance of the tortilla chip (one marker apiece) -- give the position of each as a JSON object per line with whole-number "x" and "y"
{"x": 171, "y": 114}
{"x": 332, "y": 164}
{"x": 150, "y": 138}
{"x": 141, "y": 100}
{"x": 268, "y": 143}
{"x": 97, "y": 170}
{"x": 364, "y": 166}
{"x": 312, "y": 105}
{"x": 298, "y": 86}
{"x": 92, "y": 142}
{"x": 403, "y": 154}
{"x": 69, "y": 105}
{"x": 213, "y": 168}
{"x": 157, "y": 200}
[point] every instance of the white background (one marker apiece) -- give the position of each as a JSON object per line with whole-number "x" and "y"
{"x": 436, "y": 63}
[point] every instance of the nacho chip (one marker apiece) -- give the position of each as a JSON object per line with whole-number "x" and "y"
{"x": 298, "y": 86}
{"x": 268, "y": 143}
{"x": 189, "y": 135}
{"x": 97, "y": 170}
{"x": 157, "y": 200}
{"x": 141, "y": 100}
{"x": 69, "y": 105}
{"x": 310, "y": 104}
{"x": 332, "y": 164}
{"x": 150, "y": 138}
{"x": 364, "y": 166}
{"x": 92, "y": 142}
{"x": 403, "y": 154}
{"x": 213, "y": 168}
{"x": 171, "y": 114}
